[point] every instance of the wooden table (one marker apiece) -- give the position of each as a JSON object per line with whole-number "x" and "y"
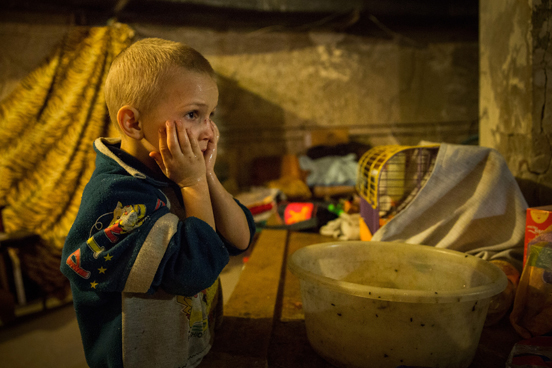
{"x": 264, "y": 321}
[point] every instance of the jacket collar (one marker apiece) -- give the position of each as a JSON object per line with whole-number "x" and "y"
{"x": 102, "y": 146}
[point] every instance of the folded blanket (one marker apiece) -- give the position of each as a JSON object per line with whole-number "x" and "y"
{"x": 470, "y": 203}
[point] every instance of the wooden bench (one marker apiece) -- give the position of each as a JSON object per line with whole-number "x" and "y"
{"x": 264, "y": 322}
{"x": 244, "y": 337}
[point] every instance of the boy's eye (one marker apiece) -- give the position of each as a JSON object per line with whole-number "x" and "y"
{"x": 191, "y": 115}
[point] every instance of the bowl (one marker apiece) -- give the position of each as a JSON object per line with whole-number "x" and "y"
{"x": 385, "y": 304}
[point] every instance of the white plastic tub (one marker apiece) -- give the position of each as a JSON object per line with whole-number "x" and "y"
{"x": 379, "y": 304}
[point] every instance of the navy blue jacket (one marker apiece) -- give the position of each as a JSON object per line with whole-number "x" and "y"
{"x": 144, "y": 277}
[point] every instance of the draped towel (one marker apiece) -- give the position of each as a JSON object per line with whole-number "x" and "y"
{"x": 47, "y": 126}
{"x": 470, "y": 203}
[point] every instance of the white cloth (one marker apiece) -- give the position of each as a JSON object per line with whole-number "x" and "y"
{"x": 470, "y": 203}
{"x": 330, "y": 170}
{"x": 345, "y": 227}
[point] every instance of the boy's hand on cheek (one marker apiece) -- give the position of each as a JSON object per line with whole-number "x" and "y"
{"x": 179, "y": 156}
{"x": 211, "y": 152}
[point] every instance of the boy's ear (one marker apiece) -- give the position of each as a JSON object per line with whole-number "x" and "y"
{"x": 128, "y": 119}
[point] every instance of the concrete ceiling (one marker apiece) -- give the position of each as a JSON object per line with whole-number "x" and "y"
{"x": 448, "y": 8}
{"x": 459, "y": 17}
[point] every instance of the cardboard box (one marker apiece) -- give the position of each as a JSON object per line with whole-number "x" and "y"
{"x": 538, "y": 222}
{"x": 326, "y": 137}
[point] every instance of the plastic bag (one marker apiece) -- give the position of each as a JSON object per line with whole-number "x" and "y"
{"x": 500, "y": 304}
{"x": 532, "y": 312}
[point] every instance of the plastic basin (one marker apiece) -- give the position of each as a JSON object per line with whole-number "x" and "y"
{"x": 383, "y": 304}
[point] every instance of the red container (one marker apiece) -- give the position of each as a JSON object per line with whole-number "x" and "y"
{"x": 538, "y": 222}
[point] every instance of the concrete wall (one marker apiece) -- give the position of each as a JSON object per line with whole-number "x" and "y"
{"x": 277, "y": 87}
{"x": 515, "y": 115}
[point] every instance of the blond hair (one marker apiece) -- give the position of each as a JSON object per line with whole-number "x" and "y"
{"x": 137, "y": 74}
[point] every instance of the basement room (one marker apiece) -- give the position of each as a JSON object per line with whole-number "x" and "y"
{"x": 275, "y": 183}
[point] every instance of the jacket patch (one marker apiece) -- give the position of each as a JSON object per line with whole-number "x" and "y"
{"x": 125, "y": 219}
{"x": 74, "y": 262}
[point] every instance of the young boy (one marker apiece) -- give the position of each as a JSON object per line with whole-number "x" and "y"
{"x": 155, "y": 226}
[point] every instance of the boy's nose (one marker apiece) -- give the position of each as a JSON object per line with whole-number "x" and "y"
{"x": 206, "y": 130}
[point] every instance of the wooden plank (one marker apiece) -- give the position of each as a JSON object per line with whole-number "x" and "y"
{"x": 244, "y": 337}
{"x": 240, "y": 342}
{"x": 289, "y": 347}
{"x": 292, "y": 308}
{"x": 495, "y": 345}
{"x": 256, "y": 291}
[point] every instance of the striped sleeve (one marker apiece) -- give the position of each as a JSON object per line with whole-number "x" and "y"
{"x": 151, "y": 253}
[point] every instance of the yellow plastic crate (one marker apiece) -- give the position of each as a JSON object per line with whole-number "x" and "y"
{"x": 390, "y": 176}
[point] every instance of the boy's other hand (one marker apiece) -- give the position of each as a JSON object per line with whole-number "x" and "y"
{"x": 210, "y": 154}
{"x": 179, "y": 157}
